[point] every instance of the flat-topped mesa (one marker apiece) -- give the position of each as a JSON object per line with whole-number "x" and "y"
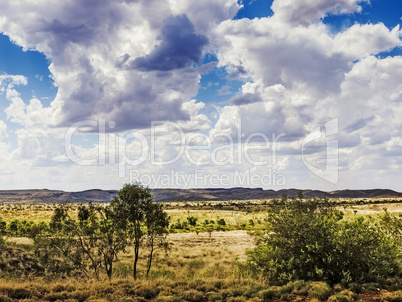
{"x": 208, "y": 194}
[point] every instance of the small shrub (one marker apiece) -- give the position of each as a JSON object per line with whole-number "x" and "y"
{"x": 214, "y": 296}
{"x": 355, "y": 287}
{"x": 338, "y": 298}
{"x": 300, "y": 287}
{"x": 239, "y": 291}
{"x": 221, "y": 222}
{"x": 196, "y": 264}
{"x": 163, "y": 272}
{"x": 394, "y": 296}
{"x": 81, "y": 295}
{"x": 269, "y": 294}
{"x": 237, "y": 299}
{"x": 168, "y": 299}
{"x": 192, "y": 295}
{"x": 192, "y": 220}
{"x": 19, "y": 293}
{"x": 395, "y": 287}
{"x": 226, "y": 293}
{"x": 319, "y": 290}
{"x": 55, "y": 296}
{"x": 122, "y": 269}
{"x": 147, "y": 291}
{"x": 351, "y": 295}
{"x": 5, "y": 299}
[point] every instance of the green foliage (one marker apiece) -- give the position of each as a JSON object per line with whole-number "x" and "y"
{"x": 196, "y": 264}
{"x": 142, "y": 218}
{"x": 339, "y": 298}
{"x": 3, "y": 232}
{"x": 3, "y": 227}
{"x": 368, "y": 254}
{"x": 19, "y": 263}
{"x": 2, "y": 244}
{"x": 319, "y": 290}
{"x": 392, "y": 224}
{"x": 214, "y": 296}
{"x": 221, "y": 222}
{"x": 307, "y": 240}
{"x": 90, "y": 242}
{"x": 85, "y": 244}
{"x": 192, "y": 220}
{"x": 23, "y": 228}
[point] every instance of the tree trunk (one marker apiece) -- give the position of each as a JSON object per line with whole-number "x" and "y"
{"x": 150, "y": 256}
{"x": 136, "y": 250}
{"x": 109, "y": 267}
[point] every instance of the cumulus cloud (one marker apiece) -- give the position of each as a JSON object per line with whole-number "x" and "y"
{"x": 90, "y": 46}
{"x": 360, "y": 41}
{"x": 8, "y": 82}
{"x": 310, "y": 11}
{"x": 133, "y": 62}
{"x": 300, "y": 74}
{"x": 180, "y": 46}
{"x": 243, "y": 99}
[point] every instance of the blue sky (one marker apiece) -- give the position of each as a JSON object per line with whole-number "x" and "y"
{"x": 30, "y": 63}
{"x": 34, "y": 65}
{"x": 273, "y": 67}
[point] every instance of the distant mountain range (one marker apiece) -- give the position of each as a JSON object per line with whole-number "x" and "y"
{"x": 97, "y": 195}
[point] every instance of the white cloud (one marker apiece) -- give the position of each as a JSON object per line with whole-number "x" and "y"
{"x": 297, "y": 75}
{"x": 84, "y": 43}
{"x": 3, "y": 130}
{"x": 308, "y": 11}
{"x": 360, "y": 41}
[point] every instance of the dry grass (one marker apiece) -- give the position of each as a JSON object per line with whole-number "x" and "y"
{"x": 31, "y": 212}
{"x": 197, "y": 267}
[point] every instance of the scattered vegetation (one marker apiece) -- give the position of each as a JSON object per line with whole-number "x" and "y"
{"x": 307, "y": 240}
{"x": 133, "y": 249}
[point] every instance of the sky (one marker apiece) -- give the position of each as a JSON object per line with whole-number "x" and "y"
{"x": 193, "y": 94}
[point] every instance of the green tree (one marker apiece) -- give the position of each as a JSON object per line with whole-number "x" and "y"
{"x": 221, "y": 222}
{"x": 60, "y": 250}
{"x": 87, "y": 243}
{"x": 307, "y": 240}
{"x": 3, "y": 232}
{"x": 192, "y": 220}
{"x": 157, "y": 222}
{"x": 3, "y": 227}
{"x": 142, "y": 218}
{"x": 112, "y": 236}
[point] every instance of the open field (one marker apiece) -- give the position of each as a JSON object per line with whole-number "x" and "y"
{"x": 198, "y": 266}
{"x": 234, "y": 213}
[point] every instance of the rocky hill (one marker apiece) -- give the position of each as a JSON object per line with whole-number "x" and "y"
{"x": 97, "y": 195}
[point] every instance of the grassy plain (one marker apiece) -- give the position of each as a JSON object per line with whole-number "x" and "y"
{"x": 199, "y": 266}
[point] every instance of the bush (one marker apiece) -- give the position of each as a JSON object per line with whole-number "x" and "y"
{"x": 319, "y": 290}
{"x": 196, "y": 264}
{"x": 2, "y": 244}
{"x": 368, "y": 254}
{"x": 5, "y": 299}
{"x": 193, "y": 295}
{"x": 221, "y": 222}
{"x": 192, "y": 220}
{"x": 19, "y": 263}
{"x": 214, "y": 296}
{"x": 268, "y": 294}
{"x": 307, "y": 240}
{"x": 338, "y": 298}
